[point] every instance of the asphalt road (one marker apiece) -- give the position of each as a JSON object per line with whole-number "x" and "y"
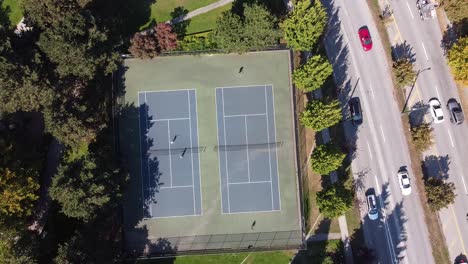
{"x": 448, "y": 156}
{"x": 399, "y": 235}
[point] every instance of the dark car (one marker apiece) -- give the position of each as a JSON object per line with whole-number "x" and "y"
{"x": 365, "y": 38}
{"x": 456, "y": 112}
{"x": 355, "y": 110}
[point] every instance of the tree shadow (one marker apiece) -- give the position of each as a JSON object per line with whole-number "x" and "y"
{"x": 452, "y": 33}
{"x": 417, "y": 114}
{"x": 180, "y": 25}
{"x": 4, "y": 16}
{"x": 436, "y": 166}
{"x": 403, "y": 51}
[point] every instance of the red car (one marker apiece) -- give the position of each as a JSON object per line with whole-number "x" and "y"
{"x": 366, "y": 40}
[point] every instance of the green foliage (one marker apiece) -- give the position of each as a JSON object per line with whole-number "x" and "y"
{"x": 320, "y": 114}
{"x": 82, "y": 187}
{"x": 71, "y": 252}
{"x": 17, "y": 191}
{"x": 313, "y": 74}
{"x": 305, "y": 25}
{"x": 255, "y": 30}
{"x": 458, "y": 59}
{"x": 16, "y": 246}
{"x": 403, "y": 72}
{"x": 439, "y": 193}
{"x": 326, "y": 158}
{"x": 457, "y": 10}
{"x": 334, "y": 200}
{"x": 193, "y": 43}
{"x": 422, "y": 136}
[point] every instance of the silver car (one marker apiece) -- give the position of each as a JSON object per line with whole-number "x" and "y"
{"x": 456, "y": 113}
{"x": 372, "y": 210}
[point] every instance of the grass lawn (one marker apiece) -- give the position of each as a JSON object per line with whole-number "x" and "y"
{"x": 15, "y": 12}
{"x": 206, "y": 21}
{"x": 162, "y": 9}
{"x": 317, "y": 251}
{"x": 276, "y": 257}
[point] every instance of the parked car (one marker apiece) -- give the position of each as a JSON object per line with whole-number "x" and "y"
{"x": 456, "y": 112}
{"x": 404, "y": 182}
{"x": 355, "y": 110}
{"x": 436, "y": 110}
{"x": 365, "y": 38}
{"x": 372, "y": 210}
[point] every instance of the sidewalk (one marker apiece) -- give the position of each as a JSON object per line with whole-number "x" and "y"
{"x": 199, "y": 11}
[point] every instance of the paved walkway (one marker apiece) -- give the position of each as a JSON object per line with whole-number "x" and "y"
{"x": 199, "y": 11}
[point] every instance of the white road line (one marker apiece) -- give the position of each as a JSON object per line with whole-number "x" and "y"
{"x": 369, "y": 149}
{"x": 371, "y": 90}
{"x": 411, "y": 13}
{"x": 451, "y": 139}
{"x": 383, "y": 135}
{"x": 425, "y": 52}
{"x": 437, "y": 91}
{"x": 464, "y": 184}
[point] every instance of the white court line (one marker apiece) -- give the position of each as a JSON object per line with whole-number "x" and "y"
{"x": 174, "y": 216}
{"x": 198, "y": 142}
{"x": 225, "y": 153}
{"x": 169, "y": 140}
{"x": 383, "y": 135}
{"x": 269, "y": 149}
{"x": 147, "y": 163}
{"x": 247, "y": 148}
{"x": 176, "y": 187}
{"x": 219, "y": 152}
{"x": 276, "y": 152}
{"x": 164, "y": 91}
{"x": 411, "y": 13}
{"x": 168, "y": 119}
{"x": 451, "y": 139}
{"x": 246, "y": 115}
{"x": 437, "y": 91}
{"x": 250, "y": 182}
{"x": 141, "y": 157}
{"x": 369, "y": 149}
{"x": 242, "y": 86}
{"x": 251, "y": 212}
{"x": 425, "y": 52}
{"x": 191, "y": 154}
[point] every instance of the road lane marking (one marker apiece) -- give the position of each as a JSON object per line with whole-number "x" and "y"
{"x": 437, "y": 91}
{"x": 383, "y": 135}
{"x": 464, "y": 185}
{"x": 451, "y": 139}
{"x": 411, "y": 13}
{"x": 425, "y": 52}
{"x": 369, "y": 149}
{"x": 458, "y": 230}
{"x": 371, "y": 90}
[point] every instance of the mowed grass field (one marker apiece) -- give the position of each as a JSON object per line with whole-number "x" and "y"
{"x": 207, "y": 21}
{"x": 162, "y": 9}
{"x": 15, "y": 13}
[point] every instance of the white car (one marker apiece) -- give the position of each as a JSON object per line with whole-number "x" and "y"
{"x": 372, "y": 210}
{"x": 436, "y": 110}
{"x": 404, "y": 182}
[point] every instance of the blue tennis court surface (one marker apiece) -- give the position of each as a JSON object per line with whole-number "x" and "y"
{"x": 247, "y": 149}
{"x": 170, "y": 162}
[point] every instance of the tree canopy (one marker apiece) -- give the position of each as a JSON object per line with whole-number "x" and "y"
{"x": 334, "y": 200}
{"x": 458, "y": 59}
{"x": 305, "y": 25}
{"x": 439, "y": 193}
{"x": 321, "y": 114}
{"x": 313, "y": 74}
{"x": 326, "y": 158}
{"x": 422, "y": 136}
{"x": 254, "y": 30}
{"x": 403, "y": 72}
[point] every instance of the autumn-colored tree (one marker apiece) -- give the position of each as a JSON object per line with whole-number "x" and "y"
{"x": 166, "y": 37}
{"x": 458, "y": 59}
{"x": 17, "y": 191}
{"x": 144, "y": 45}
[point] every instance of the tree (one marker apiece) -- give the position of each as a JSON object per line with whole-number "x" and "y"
{"x": 166, "y": 37}
{"x": 458, "y": 59}
{"x": 439, "y": 193}
{"x": 422, "y": 136}
{"x": 255, "y": 30}
{"x": 334, "y": 200}
{"x": 320, "y": 114}
{"x": 326, "y": 158}
{"x": 144, "y": 45}
{"x": 403, "y": 72}
{"x": 305, "y": 25}
{"x": 71, "y": 252}
{"x": 313, "y": 74}
{"x": 17, "y": 192}
{"x": 456, "y": 10}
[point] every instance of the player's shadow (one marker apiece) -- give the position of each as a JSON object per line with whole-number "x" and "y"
{"x": 180, "y": 25}
{"x": 436, "y": 166}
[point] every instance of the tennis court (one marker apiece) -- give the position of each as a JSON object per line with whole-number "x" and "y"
{"x": 209, "y": 143}
{"x": 170, "y": 153}
{"x": 247, "y": 149}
